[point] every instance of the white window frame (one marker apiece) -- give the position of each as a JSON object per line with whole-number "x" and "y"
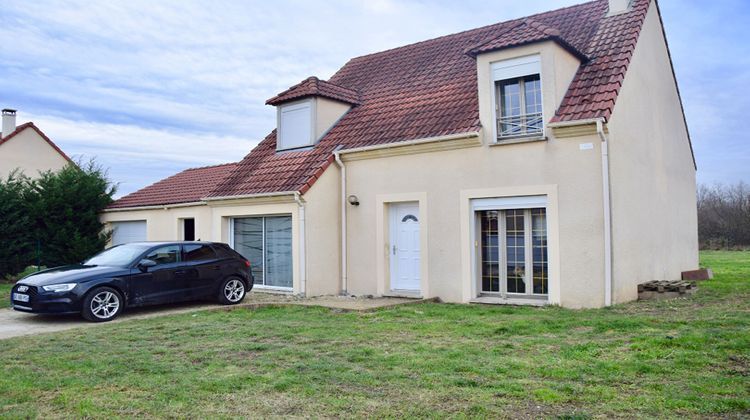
{"x": 515, "y": 68}
{"x": 308, "y": 104}
{"x": 263, "y": 216}
{"x": 502, "y": 204}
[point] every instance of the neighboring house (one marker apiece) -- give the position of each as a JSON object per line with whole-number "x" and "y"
{"x": 543, "y": 160}
{"x": 27, "y": 149}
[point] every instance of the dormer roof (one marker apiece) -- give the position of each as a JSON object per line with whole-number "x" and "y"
{"x": 524, "y": 32}
{"x": 312, "y": 86}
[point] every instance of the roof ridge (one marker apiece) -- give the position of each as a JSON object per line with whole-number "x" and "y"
{"x": 210, "y": 166}
{"x": 424, "y": 41}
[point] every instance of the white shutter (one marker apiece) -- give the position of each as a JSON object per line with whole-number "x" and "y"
{"x": 509, "y": 203}
{"x": 132, "y": 231}
{"x": 516, "y": 67}
{"x": 295, "y": 126}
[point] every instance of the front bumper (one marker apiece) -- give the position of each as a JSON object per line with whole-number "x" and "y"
{"x": 41, "y": 302}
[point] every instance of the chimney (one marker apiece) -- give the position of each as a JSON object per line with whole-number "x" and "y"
{"x": 9, "y": 122}
{"x": 618, "y": 6}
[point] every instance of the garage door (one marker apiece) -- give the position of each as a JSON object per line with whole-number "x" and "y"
{"x": 124, "y": 232}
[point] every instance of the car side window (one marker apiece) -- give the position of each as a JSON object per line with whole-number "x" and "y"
{"x": 198, "y": 252}
{"x": 165, "y": 255}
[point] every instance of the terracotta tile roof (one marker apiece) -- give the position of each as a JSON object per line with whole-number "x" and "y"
{"x": 187, "y": 186}
{"x": 429, "y": 89}
{"x": 595, "y": 87}
{"x": 312, "y": 86}
{"x": 41, "y": 134}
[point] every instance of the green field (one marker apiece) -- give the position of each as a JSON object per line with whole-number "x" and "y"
{"x": 685, "y": 357}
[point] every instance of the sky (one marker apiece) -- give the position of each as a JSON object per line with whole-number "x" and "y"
{"x": 149, "y": 88}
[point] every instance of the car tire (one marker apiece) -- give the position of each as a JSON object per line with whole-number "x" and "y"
{"x": 102, "y": 304}
{"x": 232, "y": 291}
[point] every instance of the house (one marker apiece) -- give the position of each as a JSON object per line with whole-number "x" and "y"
{"x": 543, "y": 160}
{"x": 27, "y": 149}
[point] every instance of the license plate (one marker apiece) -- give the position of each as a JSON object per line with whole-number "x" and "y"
{"x": 20, "y": 297}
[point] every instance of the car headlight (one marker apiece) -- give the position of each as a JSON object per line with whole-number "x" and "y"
{"x": 66, "y": 287}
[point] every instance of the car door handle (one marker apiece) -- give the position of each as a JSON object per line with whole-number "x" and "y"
{"x": 180, "y": 272}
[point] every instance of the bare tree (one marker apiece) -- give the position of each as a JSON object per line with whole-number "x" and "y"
{"x": 724, "y": 216}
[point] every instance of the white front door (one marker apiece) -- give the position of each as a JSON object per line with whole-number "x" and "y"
{"x": 404, "y": 250}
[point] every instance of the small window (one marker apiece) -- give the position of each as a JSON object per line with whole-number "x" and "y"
{"x": 198, "y": 252}
{"x": 295, "y": 126}
{"x": 188, "y": 229}
{"x": 165, "y": 255}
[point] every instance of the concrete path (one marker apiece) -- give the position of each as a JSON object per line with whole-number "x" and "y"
{"x": 15, "y": 324}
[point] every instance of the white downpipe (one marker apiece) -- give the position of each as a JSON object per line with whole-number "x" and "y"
{"x": 606, "y": 201}
{"x": 302, "y": 260}
{"x": 341, "y": 165}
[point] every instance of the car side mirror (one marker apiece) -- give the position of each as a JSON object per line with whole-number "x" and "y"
{"x": 145, "y": 264}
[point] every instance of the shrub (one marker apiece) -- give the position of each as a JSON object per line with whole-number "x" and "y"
{"x": 53, "y": 220}
{"x": 724, "y": 216}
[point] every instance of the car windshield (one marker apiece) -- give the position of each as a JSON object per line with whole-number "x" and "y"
{"x": 118, "y": 256}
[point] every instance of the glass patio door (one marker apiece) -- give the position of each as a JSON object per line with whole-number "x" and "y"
{"x": 267, "y": 243}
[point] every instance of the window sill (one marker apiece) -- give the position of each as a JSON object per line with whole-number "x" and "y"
{"x": 517, "y": 140}
{"x": 497, "y": 300}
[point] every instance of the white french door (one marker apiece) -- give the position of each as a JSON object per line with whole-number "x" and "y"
{"x": 513, "y": 252}
{"x": 405, "y": 255}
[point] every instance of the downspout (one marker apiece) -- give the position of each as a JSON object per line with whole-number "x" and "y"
{"x": 606, "y": 202}
{"x": 340, "y": 163}
{"x": 302, "y": 260}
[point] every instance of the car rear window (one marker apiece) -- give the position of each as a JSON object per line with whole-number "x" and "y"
{"x": 198, "y": 252}
{"x": 224, "y": 251}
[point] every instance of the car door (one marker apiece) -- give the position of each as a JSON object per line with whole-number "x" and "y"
{"x": 202, "y": 269}
{"x": 163, "y": 282}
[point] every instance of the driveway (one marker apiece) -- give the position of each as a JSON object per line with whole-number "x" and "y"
{"x": 15, "y": 324}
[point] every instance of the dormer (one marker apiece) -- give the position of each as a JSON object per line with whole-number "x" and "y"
{"x": 523, "y": 74}
{"x": 308, "y": 110}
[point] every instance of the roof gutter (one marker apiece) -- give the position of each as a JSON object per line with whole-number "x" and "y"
{"x": 408, "y": 143}
{"x": 606, "y": 203}
{"x": 259, "y": 195}
{"x": 155, "y": 207}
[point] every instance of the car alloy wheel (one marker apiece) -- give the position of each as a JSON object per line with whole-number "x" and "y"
{"x": 234, "y": 291}
{"x": 105, "y": 304}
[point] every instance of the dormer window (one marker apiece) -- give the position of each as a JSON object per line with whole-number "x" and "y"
{"x": 518, "y": 98}
{"x": 296, "y": 126}
{"x": 308, "y": 110}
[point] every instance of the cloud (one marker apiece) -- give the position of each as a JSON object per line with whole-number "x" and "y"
{"x": 186, "y": 81}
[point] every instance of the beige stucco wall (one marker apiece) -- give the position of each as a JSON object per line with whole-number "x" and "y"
{"x": 327, "y": 113}
{"x": 654, "y": 216}
{"x": 164, "y": 224}
{"x": 30, "y": 153}
{"x": 323, "y": 234}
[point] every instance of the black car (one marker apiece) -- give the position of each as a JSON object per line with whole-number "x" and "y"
{"x": 137, "y": 274}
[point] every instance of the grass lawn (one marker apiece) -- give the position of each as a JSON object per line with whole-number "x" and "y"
{"x": 5, "y": 295}
{"x": 686, "y": 357}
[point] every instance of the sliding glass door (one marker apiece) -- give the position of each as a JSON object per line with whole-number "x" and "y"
{"x": 513, "y": 252}
{"x": 267, "y": 243}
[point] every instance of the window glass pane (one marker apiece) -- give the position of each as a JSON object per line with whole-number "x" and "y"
{"x": 489, "y": 248}
{"x": 248, "y": 241}
{"x": 515, "y": 251}
{"x": 198, "y": 252}
{"x": 165, "y": 255}
{"x": 278, "y": 251}
{"x": 520, "y": 106}
{"x": 539, "y": 245}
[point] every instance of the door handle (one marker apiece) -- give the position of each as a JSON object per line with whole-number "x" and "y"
{"x": 394, "y": 249}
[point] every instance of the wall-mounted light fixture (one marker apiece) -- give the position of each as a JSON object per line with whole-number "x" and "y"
{"x": 353, "y": 200}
